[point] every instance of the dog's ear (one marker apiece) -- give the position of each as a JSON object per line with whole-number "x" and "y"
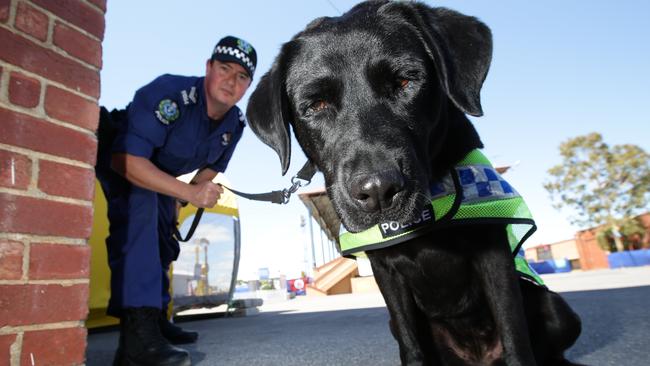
{"x": 268, "y": 111}
{"x": 460, "y": 47}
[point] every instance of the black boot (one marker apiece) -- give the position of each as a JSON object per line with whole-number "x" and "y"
{"x": 142, "y": 344}
{"x": 174, "y": 333}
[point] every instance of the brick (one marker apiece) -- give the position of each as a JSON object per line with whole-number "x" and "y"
{"x": 4, "y": 10}
{"x": 38, "y": 304}
{"x": 78, "y": 44}
{"x": 5, "y": 348}
{"x": 59, "y": 261}
{"x": 24, "y": 91}
{"x": 29, "y": 215}
{"x": 78, "y": 13}
{"x": 68, "y": 107}
{"x": 32, "y": 21}
{"x": 66, "y": 180}
{"x": 11, "y": 260}
{"x": 54, "y": 347}
{"x": 25, "y": 131}
{"x": 24, "y": 53}
{"x": 15, "y": 170}
{"x": 100, "y": 4}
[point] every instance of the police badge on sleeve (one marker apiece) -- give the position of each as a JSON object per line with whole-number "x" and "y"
{"x": 167, "y": 111}
{"x": 226, "y": 138}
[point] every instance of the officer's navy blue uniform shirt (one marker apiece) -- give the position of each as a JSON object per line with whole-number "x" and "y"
{"x": 168, "y": 124}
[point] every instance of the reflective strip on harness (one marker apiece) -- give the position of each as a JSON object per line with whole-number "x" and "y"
{"x": 473, "y": 192}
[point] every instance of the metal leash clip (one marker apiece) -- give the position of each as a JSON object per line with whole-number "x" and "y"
{"x": 295, "y": 185}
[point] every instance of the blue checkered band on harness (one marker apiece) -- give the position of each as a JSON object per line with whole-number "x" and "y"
{"x": 482, "y": 182}
{"x": 478, "y": 182}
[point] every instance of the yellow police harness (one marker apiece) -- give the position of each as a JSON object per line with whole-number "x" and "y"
{"x": 473, "y": 192}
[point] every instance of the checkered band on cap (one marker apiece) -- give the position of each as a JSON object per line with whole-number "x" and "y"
{"x": 233, "y": 49}
{"x": 227, "y": 50}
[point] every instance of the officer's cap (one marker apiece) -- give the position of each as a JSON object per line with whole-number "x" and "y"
{"x": 233, "y": 49}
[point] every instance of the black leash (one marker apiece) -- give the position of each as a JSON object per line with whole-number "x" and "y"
{"x": 281, "y": 197}
{"x": 197, "y": 217}
{"x": 306, "y": 173}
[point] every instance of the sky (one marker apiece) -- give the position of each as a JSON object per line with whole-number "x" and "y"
{"x": 560, "y": 69}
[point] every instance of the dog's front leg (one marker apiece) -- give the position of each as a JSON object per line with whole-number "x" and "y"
{"x": 408, "y": 324}
{"x": 495, "y": 267}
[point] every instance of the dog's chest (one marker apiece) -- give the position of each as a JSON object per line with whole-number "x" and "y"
{"x": 440, "y": 277}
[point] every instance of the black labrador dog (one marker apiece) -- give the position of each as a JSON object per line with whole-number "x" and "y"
{"x": 377, "y": 99}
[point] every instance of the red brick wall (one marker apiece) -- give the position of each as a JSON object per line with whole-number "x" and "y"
{"x": 591, "y": 255}
{"x": 50, "y": 58}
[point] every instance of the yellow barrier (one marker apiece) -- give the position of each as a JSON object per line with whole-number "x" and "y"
{"x": 100, "y": 274}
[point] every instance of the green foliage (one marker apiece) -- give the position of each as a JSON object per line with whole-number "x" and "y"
{"x": 631, "y": 232}
{"x": 267, "y": 285}
{"x": 605, "y": 240}
{"x": 602, "y": 185}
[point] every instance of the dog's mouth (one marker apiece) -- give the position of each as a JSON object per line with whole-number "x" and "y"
{"x": 409, "y": 205}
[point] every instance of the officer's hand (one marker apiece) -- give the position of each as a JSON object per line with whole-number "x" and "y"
{"x": 206, "y": 194}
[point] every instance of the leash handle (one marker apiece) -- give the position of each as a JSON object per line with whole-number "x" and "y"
{"x": 195, "y": 223}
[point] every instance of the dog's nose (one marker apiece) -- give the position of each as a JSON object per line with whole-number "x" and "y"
{"x": 376, "y": 191}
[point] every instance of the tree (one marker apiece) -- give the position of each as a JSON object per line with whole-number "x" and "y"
{"x": 604, "y": 186}
{"x": 631, "y": 236}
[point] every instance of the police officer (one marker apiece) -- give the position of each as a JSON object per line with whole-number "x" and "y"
{"x": 173, "y": 126}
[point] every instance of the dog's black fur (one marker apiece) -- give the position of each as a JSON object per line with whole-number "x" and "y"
{"x": 377, "y": 100}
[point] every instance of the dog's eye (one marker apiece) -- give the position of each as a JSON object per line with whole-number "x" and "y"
{"x": 317, "y": 106}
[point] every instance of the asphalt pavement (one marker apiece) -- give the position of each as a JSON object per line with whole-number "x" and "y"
{"x": 353, "y": 329}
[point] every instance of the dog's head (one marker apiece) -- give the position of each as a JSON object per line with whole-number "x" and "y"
{"x": 374, "y": 98}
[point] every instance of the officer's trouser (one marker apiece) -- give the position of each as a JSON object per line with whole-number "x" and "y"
{"x": 140, "y": 246}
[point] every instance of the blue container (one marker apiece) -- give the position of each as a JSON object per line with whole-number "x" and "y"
{"x": 551, "y": 266}
{"x": 631, "y": 258}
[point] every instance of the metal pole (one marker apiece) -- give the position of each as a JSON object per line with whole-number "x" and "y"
{"x": 329, "y": 252}
{"x": 237, "y": 249}
{"x": 322, "y": 246}
{"x": 311, "y": 237}
{"x": 329, "y": 247}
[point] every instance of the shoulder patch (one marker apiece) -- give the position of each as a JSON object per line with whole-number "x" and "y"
{"x": 167, "y": 111}
{"x": 189, "y": 97}
{"x": 242, "y": 118}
